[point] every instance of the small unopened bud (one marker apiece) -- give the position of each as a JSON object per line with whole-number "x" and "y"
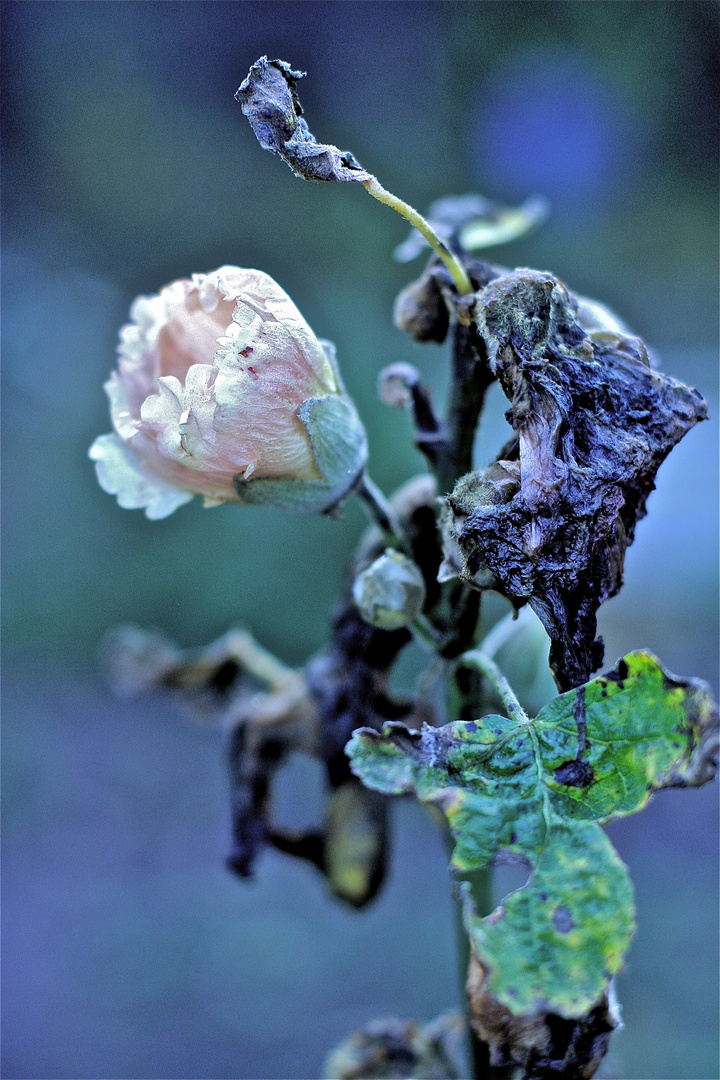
{"x": 495, "y": 485}
{"x": 390, "y": 594}
{"x": 396, "y": 383}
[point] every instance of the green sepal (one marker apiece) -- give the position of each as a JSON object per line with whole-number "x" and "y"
{"x": 339, "y": 445}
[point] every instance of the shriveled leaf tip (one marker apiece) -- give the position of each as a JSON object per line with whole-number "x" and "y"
{"x": 269, "y": 100}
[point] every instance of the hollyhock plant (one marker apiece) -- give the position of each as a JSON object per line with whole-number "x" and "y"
{"x": 222, "y": 390}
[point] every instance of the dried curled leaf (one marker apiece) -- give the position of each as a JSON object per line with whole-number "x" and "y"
{"x": 271, "y": 711}
{"x": 393, "y": 1049}
{"x": 549, "y": 523}
{"x": 534, "y": 791}
{"x": 544, "y": 1044}
{"x": 221, "y": 684}
{"x": 269, "y": 100}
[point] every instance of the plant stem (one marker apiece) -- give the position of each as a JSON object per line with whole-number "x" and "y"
{"x": 426, "y": 633}
{"x": 480, "y": 882}
{"x": 457, "y": 270}
{"x": 464, "y": 692}
{"x": 470, "y": 378}
{"x": 476, "y": 658}
{"x": 381, "y": 512}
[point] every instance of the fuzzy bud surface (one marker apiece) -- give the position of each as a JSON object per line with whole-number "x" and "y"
{"x": 391, "y": 592}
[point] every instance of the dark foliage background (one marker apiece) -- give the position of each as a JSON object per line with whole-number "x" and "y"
{"x": 128, "y": 950}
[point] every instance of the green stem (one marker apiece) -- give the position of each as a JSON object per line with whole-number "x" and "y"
{"x": 426, "y": 633}
{"x": 480, "y": 882}
{"x": 487, "y": 667}
{"x": 464, "y": 702}
{"x": 455, "y": 267}
{"x": 381, "y": 512}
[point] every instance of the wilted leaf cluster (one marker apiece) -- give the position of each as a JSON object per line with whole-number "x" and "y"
{"x": 549, "y": 522}
{"x": 268, "y": 99}
{"x": 392, "y": 1049}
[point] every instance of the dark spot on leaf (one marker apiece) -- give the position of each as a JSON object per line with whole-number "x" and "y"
{"x": 471, "y": 725}
{"x": 513, "y": 837}
{"x": 577, "y": 774}
{"x": 542, "y": 896}
{"x": 562, "y": 919}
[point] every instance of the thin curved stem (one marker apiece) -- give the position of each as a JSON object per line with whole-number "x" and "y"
{"x": 381, "y": 511}
{"x": 426, "y": 633}
{"x": 487, "y": 667}
{"x": 455, "y": 267}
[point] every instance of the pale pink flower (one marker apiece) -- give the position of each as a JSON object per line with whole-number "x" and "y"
{"x": 223, "y": 390}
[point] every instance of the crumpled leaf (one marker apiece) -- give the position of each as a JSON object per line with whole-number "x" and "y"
{"x": 475, "y": 223}
{"x": 269, "y": 100}
{"x": 549, "y": 522}
{"x": 533, "y": 792}
{"x": 220, "y": 684}
{"x": 393, "y": 1049}
{"x": 543, "y": 1044}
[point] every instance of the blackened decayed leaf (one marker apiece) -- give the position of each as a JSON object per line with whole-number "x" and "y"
{"x": 268, "y": 99}
{"x": 593, "y": 421}
{"x": 544, "y": 1044}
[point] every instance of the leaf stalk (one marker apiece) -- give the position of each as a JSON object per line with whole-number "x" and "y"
{"x": 476, "y": 658}
{"x": 456, "y": 269}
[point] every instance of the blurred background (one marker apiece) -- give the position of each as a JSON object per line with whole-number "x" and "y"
{"x": 128, "y": 950}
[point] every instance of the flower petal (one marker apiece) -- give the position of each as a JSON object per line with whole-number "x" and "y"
{"x": 120, "y": 472}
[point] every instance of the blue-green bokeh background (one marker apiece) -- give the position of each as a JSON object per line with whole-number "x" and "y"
{"x": 128, "y": 950}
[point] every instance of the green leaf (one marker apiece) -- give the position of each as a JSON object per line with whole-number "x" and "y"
{"x": 534, "y": 791}
{"x": 644, "y": 729}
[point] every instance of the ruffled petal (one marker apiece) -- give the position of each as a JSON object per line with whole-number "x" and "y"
{"x": 212, "y": 375}
{"x": 120, "y": 472}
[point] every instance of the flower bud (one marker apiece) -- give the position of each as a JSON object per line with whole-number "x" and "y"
{"x": 391, "y": 592}
{"x": 222, "y": 390}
